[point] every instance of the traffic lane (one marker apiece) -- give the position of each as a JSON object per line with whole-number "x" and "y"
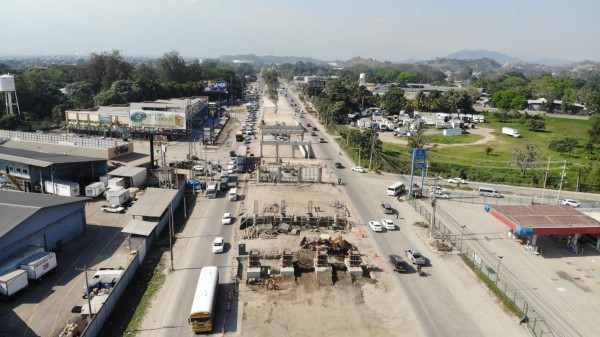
{"x": 192, "y": 251}
{"x": 437, "y": 315}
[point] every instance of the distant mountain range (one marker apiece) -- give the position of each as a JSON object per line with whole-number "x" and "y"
{"x": 503, "y": 58}
{"x": 480, "y": 54}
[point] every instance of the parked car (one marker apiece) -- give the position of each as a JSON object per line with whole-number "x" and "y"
{"x": 387, "y": 209}
{"x": 112, "y": 209}
{"x": 457, "y": 180}
{"x": 227, "y": 219}
{"x": 358, "y": 169}
{"x": 321, "y": 140}
{"x": 218, "y": 245}
{"x": 232, "y": 153}
{"x": 571, "y": 202}
{"x": 388, "y": 224}
{"x": 338, "y": 165}
{"x": 397, "y": 263}
{"x": 312, "y": 133}
{"x": 375, "y": 226}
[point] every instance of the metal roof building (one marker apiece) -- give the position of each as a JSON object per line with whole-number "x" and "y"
{"x": 32, "y": 219}
{"x": 28, "y": 170}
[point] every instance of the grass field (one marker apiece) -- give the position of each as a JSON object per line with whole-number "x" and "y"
{"x": 472, "y": 162}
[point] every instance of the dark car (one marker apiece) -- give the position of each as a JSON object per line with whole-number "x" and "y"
{"x": 338, "y": 165}
{"x": 387, "y": 209}
{"x": 232, "y": 153}
{"x": 397, "y": 263}
{"x": 217, "y": 167}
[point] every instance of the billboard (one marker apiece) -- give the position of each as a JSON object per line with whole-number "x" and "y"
{"x": 157, "y": 119}
{"x": 120, "y": 151}
{"x": 216, "y": 86}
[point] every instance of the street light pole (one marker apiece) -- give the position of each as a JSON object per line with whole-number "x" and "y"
{"x": 498, "y": 271}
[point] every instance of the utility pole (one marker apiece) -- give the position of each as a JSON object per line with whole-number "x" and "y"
{"x": 433, "y": 204}
{"x": 87, "y": 290}
{"x": 562, "y": 179}
{"x": 545, "y": 180}
{"x": 171, "y": 235}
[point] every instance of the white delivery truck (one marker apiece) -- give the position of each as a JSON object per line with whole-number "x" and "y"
{"x": 39, "y": 265}
{"x": 511, "y": 132}
{"x": 94, "y": 189}
{"x": 64, "y": 188}
{"x": 13, "y": 282}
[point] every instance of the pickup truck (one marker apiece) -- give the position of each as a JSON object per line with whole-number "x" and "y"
{"x": 415, "y": 256}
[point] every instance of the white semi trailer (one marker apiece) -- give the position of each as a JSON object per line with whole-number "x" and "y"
{"x": 511, "y": 132}
{"x": 13, "y": 282}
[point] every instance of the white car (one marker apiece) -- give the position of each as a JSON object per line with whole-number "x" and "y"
{"x": 218, "y": 244}
{"x": 375, "y": 226}
{"x": 358, "y": 169}
{"x": 388, "y": 224}
{"x": 457, "y": 180}
{"x": 227, "y": 219}
{"x": 571, "y": 202}
{"x": 112, "y": 209}
{"x": 443, "y": 194}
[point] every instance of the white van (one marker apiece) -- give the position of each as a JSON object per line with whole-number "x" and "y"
{"x": 489, "y": 192}
{"x": 396, "y": 189}
{"x": 232, "y": 194}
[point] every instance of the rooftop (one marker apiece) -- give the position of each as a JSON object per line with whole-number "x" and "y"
{"x": 41, "y": 159}
{"x": 153, "y": 203}
{"x": 545, "y": 219}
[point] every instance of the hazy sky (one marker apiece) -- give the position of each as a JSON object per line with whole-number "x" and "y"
{"x": 392, "y": 30}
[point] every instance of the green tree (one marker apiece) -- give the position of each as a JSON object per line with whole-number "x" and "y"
{"x": 393, "y": 101}
{"x": 535, "y": 125}
{"x": 416, "y": 140}
{"x": 594, "y": 132}
{"x": 80, "y": 95}
{"x": 105, "y": 68}
{"x": 525, "y": 157}
{"x": 509, "y": 100}
{"x": 563, "y": 145}
{"x": 172, "y": 68}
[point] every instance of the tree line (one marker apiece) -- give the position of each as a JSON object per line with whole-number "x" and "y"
{"x": 107, "y": 78}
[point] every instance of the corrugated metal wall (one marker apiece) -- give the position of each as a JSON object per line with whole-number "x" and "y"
{"x": 45, "y": 228}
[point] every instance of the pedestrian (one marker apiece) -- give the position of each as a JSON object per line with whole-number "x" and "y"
{"x": 396, "y": 215}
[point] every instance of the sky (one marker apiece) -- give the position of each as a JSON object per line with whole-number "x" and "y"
{"x": 393, "y": 30}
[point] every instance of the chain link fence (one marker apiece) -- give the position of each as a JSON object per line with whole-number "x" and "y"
{"x": 489, "y": 273}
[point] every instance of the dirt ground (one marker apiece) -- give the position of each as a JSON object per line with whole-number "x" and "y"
{"x": 306, "y": 306}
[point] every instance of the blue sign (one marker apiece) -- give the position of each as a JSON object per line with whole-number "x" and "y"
{"x": 220, "y": 86}
{"x": 419, "y": 157}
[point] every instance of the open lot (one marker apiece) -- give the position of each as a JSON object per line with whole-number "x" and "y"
{"x": 46, "y": 308}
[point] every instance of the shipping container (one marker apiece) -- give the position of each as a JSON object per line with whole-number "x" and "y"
{"x": 39, "y": 264}
{"x": 118, "y": 196}
{"x": 453, "y": 132}
{"x": 116, "y": 183}
{"x": 64, "y": 188}
{"x": 94, "y": 189}
{"x": 13, "y": 282}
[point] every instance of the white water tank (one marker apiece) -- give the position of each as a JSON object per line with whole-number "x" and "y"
{"x": 7, "y": 83}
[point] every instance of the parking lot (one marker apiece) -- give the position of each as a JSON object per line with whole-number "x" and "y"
{"x": 45, "y": 308}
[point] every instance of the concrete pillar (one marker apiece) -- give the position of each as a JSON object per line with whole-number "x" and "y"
{"x": 276, "y": 152}
{"x": 320, "y": 175}
{"x": 279, "y": 174}
{"x": 260, "y": 146}
{"x": 598, "y": 244}
{"x": 576, "y": 238}
{"x": 299, "y": 175}
{"x": 293, "y": 151}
